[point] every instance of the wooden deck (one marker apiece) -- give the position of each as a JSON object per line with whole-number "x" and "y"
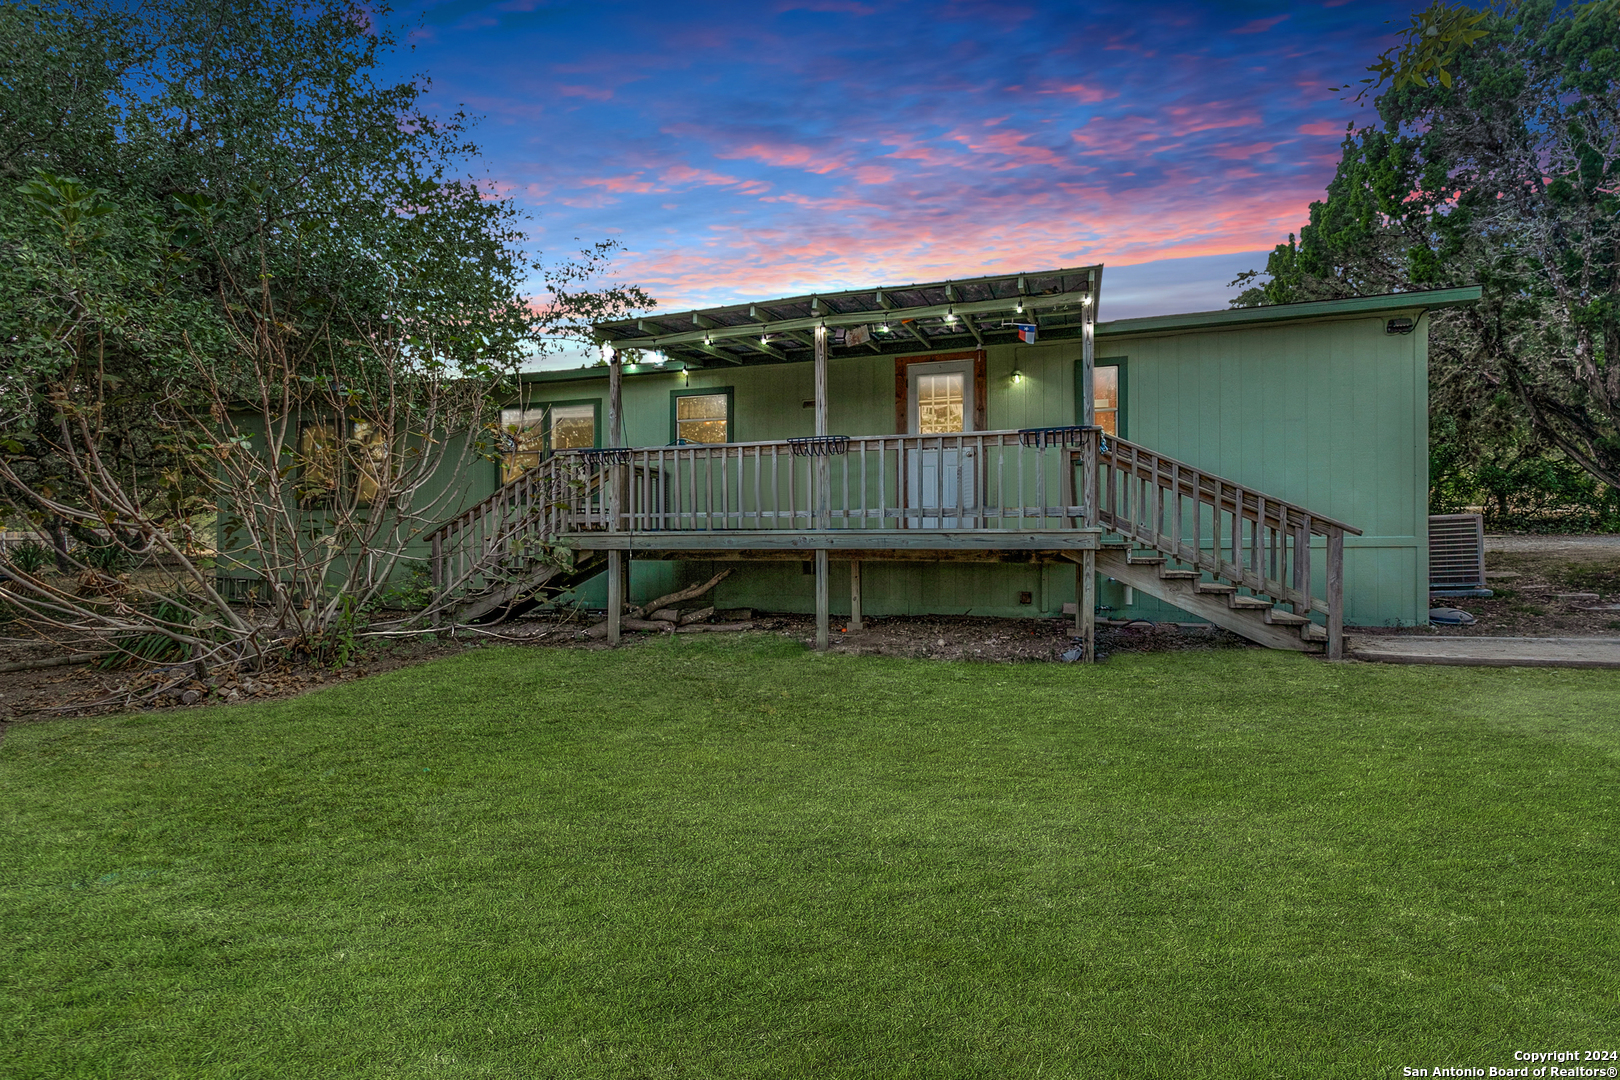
{"x": 1060, "y": 493}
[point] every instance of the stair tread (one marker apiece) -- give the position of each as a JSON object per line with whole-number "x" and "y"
{"x": 1216, "y": 587}
{"x": 1313, "y": 633}
{"x": 1145, "y": 560}
{"x": 1253, "y": 603}
{"x": 1179, "y": 575}
{"x": 1285, "y": 618}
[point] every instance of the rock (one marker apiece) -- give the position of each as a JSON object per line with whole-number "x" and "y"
{"x": 1592, "y": 596}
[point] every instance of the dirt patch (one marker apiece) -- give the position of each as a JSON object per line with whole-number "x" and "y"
{"x": 88, "y": 690}
{"x": 1561, "y": 586}
{"x": 1544, "y": 586}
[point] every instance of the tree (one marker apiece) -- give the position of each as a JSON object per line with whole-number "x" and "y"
{"x": 241, "y": 275}
{"x": 1505, "y": 172}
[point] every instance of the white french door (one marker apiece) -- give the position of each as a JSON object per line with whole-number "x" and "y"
{"x": 941, "y": 475}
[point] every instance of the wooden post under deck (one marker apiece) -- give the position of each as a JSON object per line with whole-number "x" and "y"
{"x": 615, "y": 596}
{"x": 1085, "y": 612}
{"x": 822, "y": 467}
{"x": 855, "y": 594}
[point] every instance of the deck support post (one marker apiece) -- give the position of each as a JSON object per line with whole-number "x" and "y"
{"x": 1085, "y": 611}
{"x": 615, "y": 593}
{"x": 855, "y": 595}
{"x": 823, "y": 602}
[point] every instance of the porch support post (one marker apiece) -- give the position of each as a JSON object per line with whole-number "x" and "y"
{"x": 1085, "y": 612}
{"x": 615, "y": 437}
{"x": 823, "y": 486}
{"x": 855, "y": 594}
{"x": 1088, "y": 349}
{"x": 615, "y": 597}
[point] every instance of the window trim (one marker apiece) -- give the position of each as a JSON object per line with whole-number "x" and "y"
{"x": 730, "y": 393}
{"x": 902, "y": 385}
{"x": 1121, "y": 422}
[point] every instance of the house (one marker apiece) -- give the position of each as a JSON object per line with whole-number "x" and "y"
{"x": 986, "y": 447}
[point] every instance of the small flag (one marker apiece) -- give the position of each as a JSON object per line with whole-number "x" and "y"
{"x": 1026, "y": 332}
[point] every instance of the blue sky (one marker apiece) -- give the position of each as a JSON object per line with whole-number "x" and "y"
{"x": 749, "y": 150}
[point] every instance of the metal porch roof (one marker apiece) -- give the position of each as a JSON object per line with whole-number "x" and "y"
{"x": 943, "y": 315}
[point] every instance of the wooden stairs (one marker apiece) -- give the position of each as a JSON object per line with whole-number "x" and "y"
{"x": 1253, "y": 617}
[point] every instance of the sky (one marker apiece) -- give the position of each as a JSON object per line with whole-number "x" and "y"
{"x": 742, "y": 151}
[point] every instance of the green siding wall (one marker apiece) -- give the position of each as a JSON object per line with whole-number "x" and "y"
{"x": 1330, "y": 414}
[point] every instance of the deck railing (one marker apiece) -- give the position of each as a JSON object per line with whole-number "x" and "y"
{"x": 978, "y": 480}
{"x": 1232, "y": 532}
{"x": 1052, "y": 479}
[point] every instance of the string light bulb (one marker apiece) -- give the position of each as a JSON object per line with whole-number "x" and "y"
{"x": 1017, "y": 375}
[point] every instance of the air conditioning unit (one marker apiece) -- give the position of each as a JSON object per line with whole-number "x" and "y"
{"x": 1457, "y": 555}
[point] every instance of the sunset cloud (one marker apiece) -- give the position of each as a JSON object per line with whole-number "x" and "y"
{"x": 742, "y": 151}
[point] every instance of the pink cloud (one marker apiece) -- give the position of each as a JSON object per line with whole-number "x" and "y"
{"x": 1085, "y": 95}
{"x": 1321, "y": 127}
{"x": 1243, "y": 152}
{"x": 784, "y": 155}
{"x": 590, "y": 93}
{"x": 1008, "y": 144}
{"x": 1259, "y": 26}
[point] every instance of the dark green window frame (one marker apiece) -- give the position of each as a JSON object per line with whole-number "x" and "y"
{"x": 704, "y": 391}
{"x": 1120, "y": 362}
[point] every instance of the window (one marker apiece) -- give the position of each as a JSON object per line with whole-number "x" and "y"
{"x": 701, "y": 416}
{"x": 940, "y": 403}
{"x": 528, "y": 434}
{"x": 573, "y": 427}
{"x": 320, "y": 462}
{"x": 328, "y": 463}
{"x": 1108, "y": 392}
{"x": 1105, "y": 398}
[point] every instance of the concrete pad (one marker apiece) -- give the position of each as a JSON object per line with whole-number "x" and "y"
{"x": 1574, "y": 652}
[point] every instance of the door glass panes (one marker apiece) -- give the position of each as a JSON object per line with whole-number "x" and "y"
{"x": 701, "y": 418}
{"x": 573, "y": 427}
{"x": 1105, "y": 398}
{"x": 940, "y": 403}
{"x": 522, "y": 440}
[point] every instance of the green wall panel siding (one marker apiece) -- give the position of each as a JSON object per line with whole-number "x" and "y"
{"x": 443, "y": 496}
{"x": 1331, "y": 415}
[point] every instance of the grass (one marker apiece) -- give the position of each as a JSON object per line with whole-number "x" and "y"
{"x": 700, "y": 858}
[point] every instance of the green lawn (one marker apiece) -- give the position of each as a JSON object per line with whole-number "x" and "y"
{"x": 697, "y": 858}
